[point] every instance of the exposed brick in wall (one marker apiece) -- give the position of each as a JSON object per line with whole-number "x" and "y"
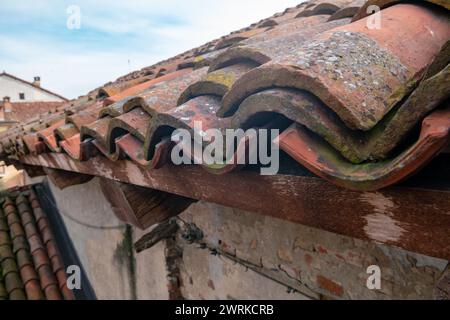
{"x": 442, "y": 290}
{"x": 173, "y": 256}
{"x": 316, "y": 263}
{"x": 254, "y": 257}
{"x": 214, "y": 276}
{"x": 333, "y": 287}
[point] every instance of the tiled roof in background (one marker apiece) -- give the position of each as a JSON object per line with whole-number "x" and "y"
{"x": 32, "y": 84}
{"x": 26, "y": 111}
{"x": 30, "y": 264}
{"x": 363, "y": 108}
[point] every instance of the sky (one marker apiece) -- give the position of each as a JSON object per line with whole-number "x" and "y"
{"x": 114, "y": 37}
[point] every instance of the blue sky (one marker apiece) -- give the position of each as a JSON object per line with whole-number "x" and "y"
{"x": 115, "y": 37}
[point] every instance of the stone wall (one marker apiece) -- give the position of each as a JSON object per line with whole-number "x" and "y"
{"x": 316, "y": 263}
{"x": 242, "y": 255}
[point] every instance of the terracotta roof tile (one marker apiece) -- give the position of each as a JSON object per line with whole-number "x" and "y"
{"x": 112, "y": 89}
{"x": 348, "y": 11}
{"x": 57, "y": 264}
{"x": 34, "y": 291}
{"x": 3, "y": 226}
{"x": 20, "y": 243}
{"x": 323, "y": 7}
{"x": 28, "y": 274}
{"x": 238, "y": 37}
{"x": 32, "y": 144}
{"x": 48, "y": 135}
{"x": 372, "y": 75}
{"x": 142, "y": 86}
{"x": 27, "y": 218}
{"x": 30, "y": 264}
{"x": 9, "y": 265}
{"x": 53, "y": 253}
{"x": 315, "y": 155}
{"x": 61, "y": 277}
{"x": 66, "y": 131}
{"x": 67, "y": 293}
{"x": 273, "y": 46}
{"x": 16, "y": 229}
{"x": 14, "y": 286}
{"x": 3, "y": 292}
{"x": 42, "y": 224}
{"x": 24, "y": 258}
{"x": 25, "y": 111}
{"x": 4, "y": 239}
{"x": 96, "y": 130}
{"x": 31, "y": 230}
{"x": 85, "y": 116}
{"x": 217, "y": 82}
{"x": 45, "y": 271}
{"x": 77, "y": 149}
{"x": 17, "y": 294}
{"x": 363, "y": 12}
{"x": 46, "y": 235}
{"x": 352, "y": 96}
{"x": 52, "y": 292}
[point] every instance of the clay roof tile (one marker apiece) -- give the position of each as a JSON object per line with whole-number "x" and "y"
{"x": 28, "y": 267}
{"x": 331, "y": 83}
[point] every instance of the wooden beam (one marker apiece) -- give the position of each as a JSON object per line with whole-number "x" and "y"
{"x": 140, "y": 206}
{"x": 34, "y": 171}
{"x": 160, "y": 232}
{"x": 410, "y": 218}
{"x": 64, "y": 179}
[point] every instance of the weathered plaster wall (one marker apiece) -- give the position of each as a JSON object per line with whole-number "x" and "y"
{"x": 103, "y": 246}
{"x": 206, "y": 276}
{"x": 242, "y": 255}
{"x": 317, "y": 263}
{"x": 151, "y": 271}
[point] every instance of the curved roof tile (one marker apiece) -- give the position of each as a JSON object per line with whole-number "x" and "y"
{"x": 30, "y": 262}
{"x": 350, "y": 97}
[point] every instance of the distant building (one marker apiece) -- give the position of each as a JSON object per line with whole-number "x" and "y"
{"x": 21, "y": 101}
{"x": 19, "y": 90}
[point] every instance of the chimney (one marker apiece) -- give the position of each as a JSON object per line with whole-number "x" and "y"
{"x": 5, "y": 109}
{"x": 37, "y": 81}
{"x": 7, "y": 104}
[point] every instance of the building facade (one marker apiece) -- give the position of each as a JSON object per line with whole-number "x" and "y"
{"x": 19, "y": 90}
{"x": 22, "y": 101}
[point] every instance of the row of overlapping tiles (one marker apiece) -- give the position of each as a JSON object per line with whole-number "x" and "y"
{"x": 352, "y": 93}
{"x": 30, "y": 263}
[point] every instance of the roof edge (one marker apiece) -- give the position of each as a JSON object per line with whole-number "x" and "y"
{"x": 4, "y": 73}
